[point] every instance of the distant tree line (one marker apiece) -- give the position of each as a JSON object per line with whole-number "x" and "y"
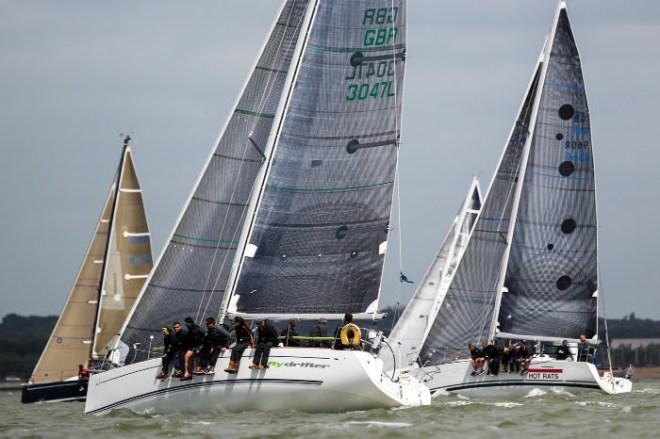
{"x": 23, "y": 338}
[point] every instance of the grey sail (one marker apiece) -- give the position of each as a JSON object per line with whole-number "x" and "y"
{"x": 191, "y": 275}
{"x": 467, "y": 310}
{"x": 318, "y": 238}
{"x": 551, "y": 276}
{"x": 407, "y": 336}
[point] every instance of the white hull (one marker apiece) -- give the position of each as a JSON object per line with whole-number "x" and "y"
{"x": 544, "y": 372}
{"x": 305, "y": 379}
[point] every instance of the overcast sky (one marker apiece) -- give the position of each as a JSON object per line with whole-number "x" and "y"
{"x": 76, "y": 74}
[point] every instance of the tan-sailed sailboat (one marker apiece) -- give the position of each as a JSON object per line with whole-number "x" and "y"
{"x": 115, "y": 266}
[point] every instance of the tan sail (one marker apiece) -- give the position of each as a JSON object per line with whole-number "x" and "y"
{"x": 129, "y": 259}
{"x": 70, "y": 343}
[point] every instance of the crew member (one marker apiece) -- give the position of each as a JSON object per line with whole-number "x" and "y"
{"x": 170, "y": 347}
{"x": 320, "y": 330}
{"x": 563, "y": 352}
{"x": 289, "y": 333}
{"x": 192, "y": 340}
{"x": 266, "y": 339}
{"x": 216, "y": 340}
{"x": 349, "y": 334}
{"x": 244, "y": 339}
{"x": 492, "y": 357}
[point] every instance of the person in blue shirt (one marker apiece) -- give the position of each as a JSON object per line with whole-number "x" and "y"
{"x": 478, "y": 359}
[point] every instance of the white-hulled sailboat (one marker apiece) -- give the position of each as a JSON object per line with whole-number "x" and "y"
{"x": 288, "y": 219}
{"x": 530, "y": 268}
{"x": 113, "y": 271}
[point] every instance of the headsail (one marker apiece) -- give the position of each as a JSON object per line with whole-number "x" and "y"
{"x": 318, "y": 238}
{"x": 191, "y": 275}
{"x": 467, "y": 311}
{"x": 552, "y": 271}
{"x": 408, "y": 335}
{"x": 128, "y": 258}
{"x": 70, "y": 343}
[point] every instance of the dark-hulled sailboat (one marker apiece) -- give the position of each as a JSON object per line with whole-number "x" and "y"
{"x": 112, "y": 273}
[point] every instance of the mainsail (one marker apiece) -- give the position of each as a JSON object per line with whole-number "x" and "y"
{"x": 73, "y": 337}
{"x": 191, "y": 275}
{"x": 317, "y": 237}
{"x": 552, "y": 274}
{"x": 127, "y": 261}
{"x": 409, "y": 333}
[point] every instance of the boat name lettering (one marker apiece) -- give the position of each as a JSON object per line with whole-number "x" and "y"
{"x": 544, "y": 374}
{"x": 276, "y": 364}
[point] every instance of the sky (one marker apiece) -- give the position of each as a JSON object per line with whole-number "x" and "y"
{"x": 77, "y": 74}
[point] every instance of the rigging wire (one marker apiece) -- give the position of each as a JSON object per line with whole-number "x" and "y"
{"x": 261, "y": 103}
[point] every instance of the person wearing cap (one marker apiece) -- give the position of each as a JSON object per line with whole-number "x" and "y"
{"x": 191, "y": 341}
{"x": 266, "y": 339}
{"x": 244, "y": 338}
{"x": 320, "y": 330}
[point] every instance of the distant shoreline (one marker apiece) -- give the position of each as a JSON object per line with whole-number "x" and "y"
{"x": 646, "y": 373}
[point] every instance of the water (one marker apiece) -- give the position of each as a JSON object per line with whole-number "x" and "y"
{"x": 542, "y": 413}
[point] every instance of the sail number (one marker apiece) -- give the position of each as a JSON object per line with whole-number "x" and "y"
{"x": 367, "y": 90}
{"x": 380, "y": 71}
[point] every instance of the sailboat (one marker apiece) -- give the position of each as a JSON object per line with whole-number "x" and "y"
{"x": 289, "y": 218}
{"x": 407, "y": 336}
{"x": 530, "y": 270}
{"x": 112, "y": 273}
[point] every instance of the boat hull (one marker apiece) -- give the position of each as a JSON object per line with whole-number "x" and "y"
{"x": 305, "y": 379}
{"x": 57, "y": 391}
{"x": 544, "y": 372}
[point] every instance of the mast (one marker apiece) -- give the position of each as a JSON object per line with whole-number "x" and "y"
{"x": 104, "y": 266}
{"x": 269, "y": 152}
{"x": 543, "y": 60}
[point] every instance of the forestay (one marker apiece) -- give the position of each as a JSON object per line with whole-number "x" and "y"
{"x": 552, "y": 273}
{"x": 191, "y": 275}
{"x": 318, "y": 238}
{"x": 408, "y": 334}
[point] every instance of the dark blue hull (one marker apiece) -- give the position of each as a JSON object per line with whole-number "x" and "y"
{"x": 54, "y": 391}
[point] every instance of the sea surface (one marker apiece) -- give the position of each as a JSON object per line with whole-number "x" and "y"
{"x": 541, "y": 414}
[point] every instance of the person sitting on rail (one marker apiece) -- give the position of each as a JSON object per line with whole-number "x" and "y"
{"x": 525, "y": 358}
{"x": 191, "y": 342}
{"x": 170, "y": 349}
{"x": 563, "y": 351}
{"x": 266, "y": 339}
{"x": 492, "y": 357}
{"x": 349, "y": 336}
{"x": 244, "y": 338}
{"x": 477, "y": 359}
{"x": 504, "y": 356}
{"x": 216, "y": 340}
